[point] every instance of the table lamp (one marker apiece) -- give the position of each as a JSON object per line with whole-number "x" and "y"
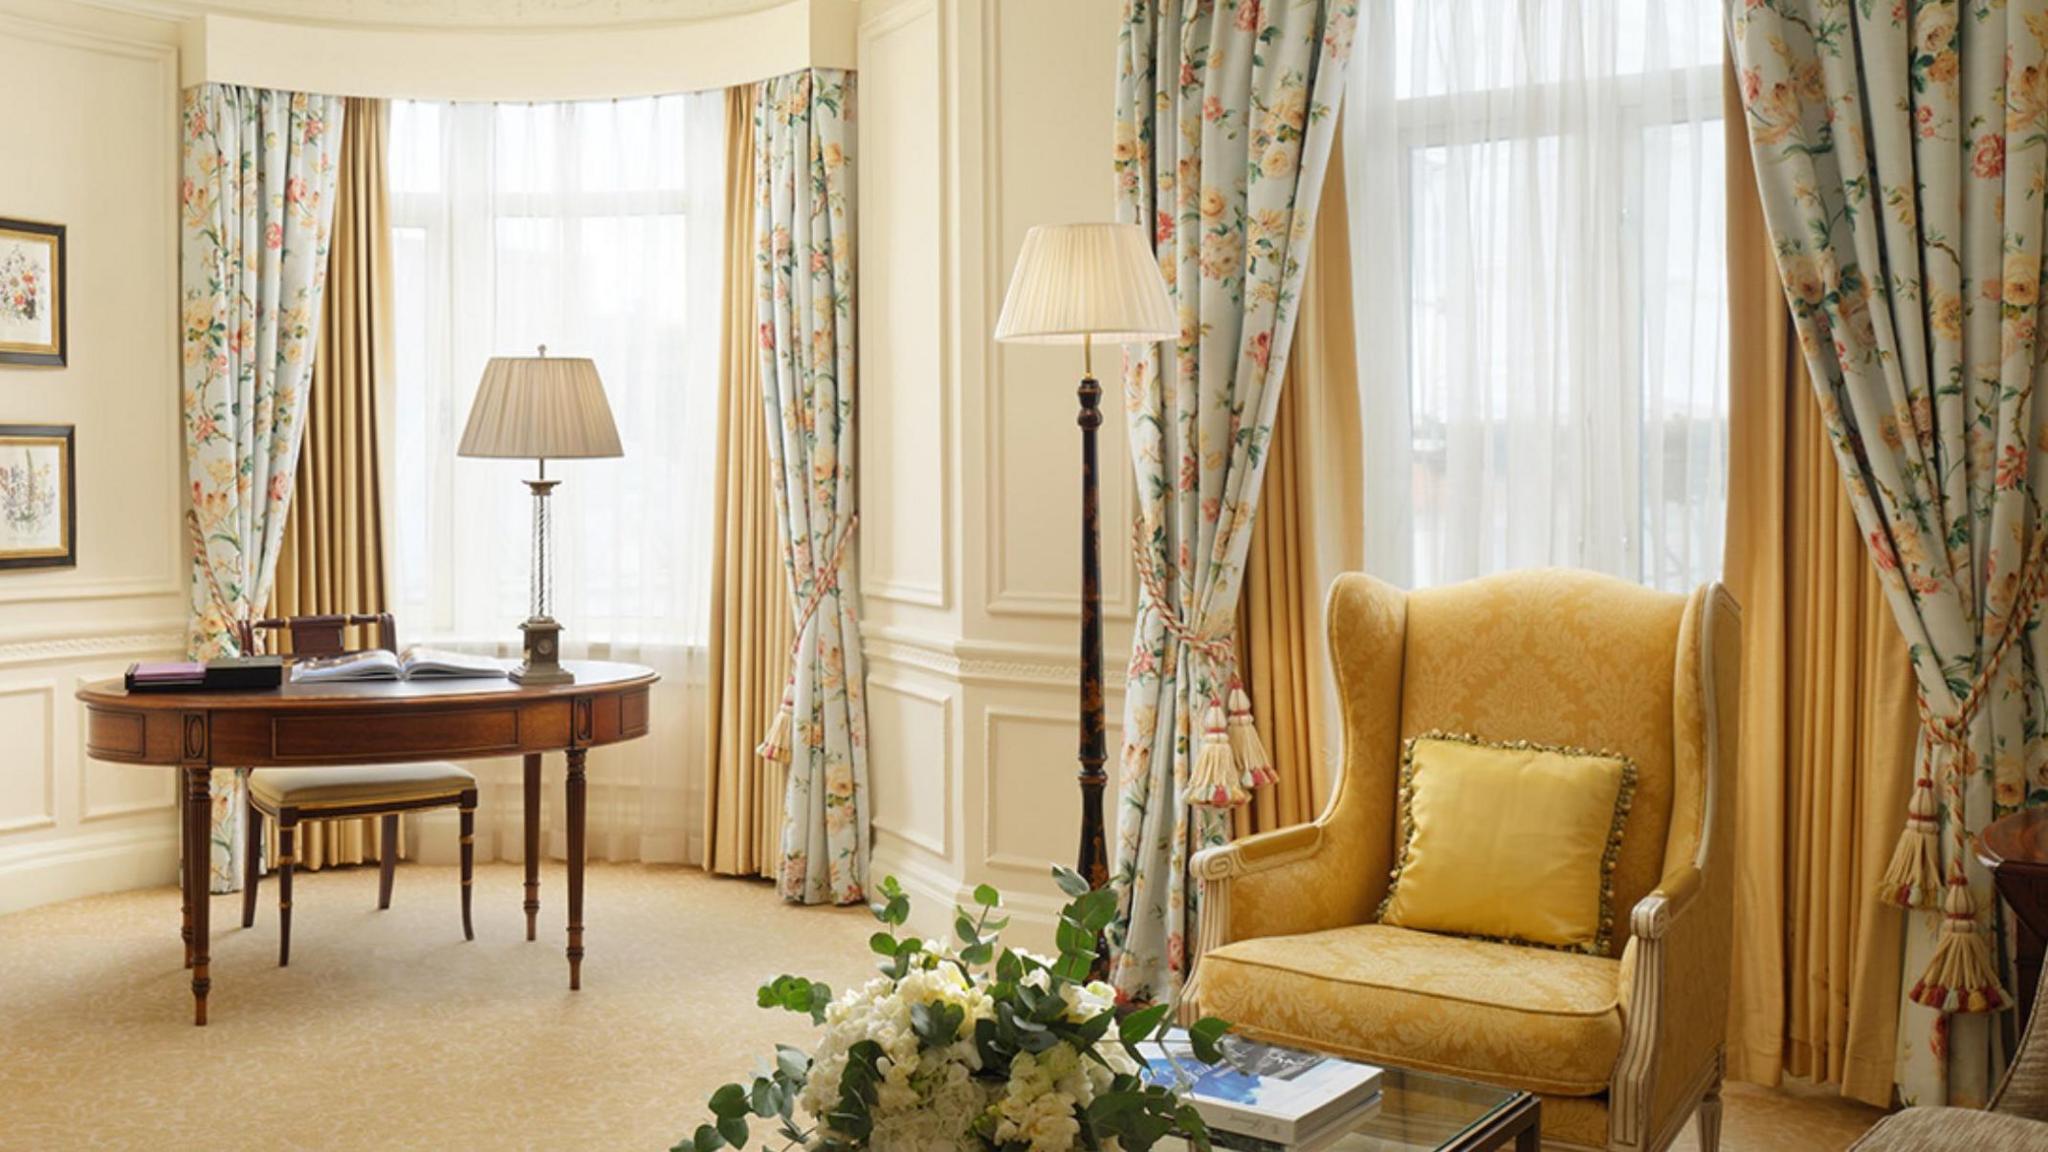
{"x": 541, "y": 408}
{"x": 1077, "y": 284}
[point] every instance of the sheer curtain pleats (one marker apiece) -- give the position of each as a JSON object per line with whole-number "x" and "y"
{"x": 1536, "y": 194}
{"x": 594, "y": 229}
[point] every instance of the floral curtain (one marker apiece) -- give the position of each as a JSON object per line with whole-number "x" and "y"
{"x": 257, "y": 194}
{"x": 1226, "y": 111}
{"x": 1900, "y": 151}
{"x": 804, "y": 262}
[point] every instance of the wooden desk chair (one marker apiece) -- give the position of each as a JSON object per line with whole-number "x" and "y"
{"x": 289, "y": 795}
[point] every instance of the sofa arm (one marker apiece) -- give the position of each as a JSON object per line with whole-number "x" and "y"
{"x": 1674, "y": 983}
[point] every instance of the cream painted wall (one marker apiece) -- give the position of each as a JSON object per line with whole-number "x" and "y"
{"x": 91, "y": 142}
{"x": 979, "y": 119}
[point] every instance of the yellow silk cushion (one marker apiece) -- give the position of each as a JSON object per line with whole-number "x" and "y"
{"x": 1509, "y": 841}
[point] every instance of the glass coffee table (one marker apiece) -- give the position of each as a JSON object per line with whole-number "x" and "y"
{"x": 1424, "y": 1112}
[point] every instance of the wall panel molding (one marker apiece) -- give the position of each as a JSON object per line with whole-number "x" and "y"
{"x": 46, "y": 816}
{"x": 995, "y": 853}
{"x": 983, "y": 661}
{"x": 908, "y": 475}
{"x": 1119, "y": 482}
{"x": 939, "y": 706}
{"x": 53, "y": 648}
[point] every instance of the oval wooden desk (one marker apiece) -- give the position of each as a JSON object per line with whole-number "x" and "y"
{"x": 371, "y": 722}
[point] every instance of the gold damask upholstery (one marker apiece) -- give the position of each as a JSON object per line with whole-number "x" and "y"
{"x": 1534, "y": 1018}
{"x": 1624, "y": 1047}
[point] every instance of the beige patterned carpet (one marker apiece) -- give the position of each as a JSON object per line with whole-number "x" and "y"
{"x": 388, "y": 1031}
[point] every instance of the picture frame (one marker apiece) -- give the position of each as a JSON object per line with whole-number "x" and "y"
{"x": 38, "y": 496}
{"x": 34, "y": 314}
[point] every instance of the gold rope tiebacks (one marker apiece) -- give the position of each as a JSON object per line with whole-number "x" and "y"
{"x": 776, "y": 744}
{"x": 1961, "y": 976}
{"x": 233, "y": 615}
{"x": 1232, "y": 760}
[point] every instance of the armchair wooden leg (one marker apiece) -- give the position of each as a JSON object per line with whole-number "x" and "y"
{"x": 468, "y": 858}
{"x": 387, "y": 860}
{"x": 287, "y": 835}
{"x": 1710, "y": 1115}
{"x": 252, "y": 860}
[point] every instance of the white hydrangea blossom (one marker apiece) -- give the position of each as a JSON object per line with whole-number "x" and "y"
{"x": 930, "y": 1100}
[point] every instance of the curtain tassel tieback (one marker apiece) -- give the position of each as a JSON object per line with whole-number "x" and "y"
{"x": 1913, "y": 877}
{"x": 1256, "y": 766}
{"x": 1231, "y": 760}
{"x": 1960, "y": 978}
{"x": 778, "y": 744}
{"x": 1216, "y": 781}
{"x": 775, "y": 745}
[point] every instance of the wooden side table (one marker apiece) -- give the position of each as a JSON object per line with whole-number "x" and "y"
{"x": 2015, "y": 849}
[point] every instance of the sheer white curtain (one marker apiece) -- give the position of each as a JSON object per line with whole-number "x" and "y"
{"x": 1536, "y": 206}
{"x": 595, "y": 229}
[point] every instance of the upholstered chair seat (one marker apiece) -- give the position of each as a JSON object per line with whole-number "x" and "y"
{"x": 1623, "y": 1043}
{"x": 395, "y": 784}
{"x": 1530, "y": 1018}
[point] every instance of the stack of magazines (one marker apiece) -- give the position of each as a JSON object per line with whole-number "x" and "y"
{"x": 1264, "y": 1098}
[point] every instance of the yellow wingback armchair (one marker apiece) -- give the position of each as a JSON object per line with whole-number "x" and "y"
{"x": 1622, "y": 1048}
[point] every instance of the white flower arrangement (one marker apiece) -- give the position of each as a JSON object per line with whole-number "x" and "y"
{"x": 966, "y": 1047}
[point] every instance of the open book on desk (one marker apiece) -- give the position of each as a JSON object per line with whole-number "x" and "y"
{"x": 415, "y": 663}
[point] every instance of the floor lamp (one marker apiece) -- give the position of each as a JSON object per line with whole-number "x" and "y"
{"x": 1083, "y": 284}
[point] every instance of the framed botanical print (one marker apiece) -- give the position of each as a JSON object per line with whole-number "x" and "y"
{"x": 31, "y": 293}
{"x": 38, "y": 496}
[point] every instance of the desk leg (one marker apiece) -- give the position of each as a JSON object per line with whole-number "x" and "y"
{"x": 532, "y": 841}
{"x": 198, "y": 879}
{"x": 184, "y": 879}
{"x": 576, "y": 806}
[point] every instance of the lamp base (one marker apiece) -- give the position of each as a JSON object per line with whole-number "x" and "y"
{"x": 543, "y": 662}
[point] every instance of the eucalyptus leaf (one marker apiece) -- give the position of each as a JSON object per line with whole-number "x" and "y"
{"x": 1070, "y": 881}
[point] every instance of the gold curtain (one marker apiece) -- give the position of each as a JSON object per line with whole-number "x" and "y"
{"x": 333, "y": 551}
{"x": 1311, "y": 527}
{"x": 750, "y": 620}
{"x": 1828, "y": 718}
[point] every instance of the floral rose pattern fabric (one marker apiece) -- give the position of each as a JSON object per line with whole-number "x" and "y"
{"x": 1902, "y": 152}
{"x": 256, "y": 206}
{"x": 803, "y": 220}
{"x": 1226, "y": 111}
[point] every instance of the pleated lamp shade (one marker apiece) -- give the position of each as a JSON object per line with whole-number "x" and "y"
{"x": 540, "y": 408}
{"x": 1087, "y": 280}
